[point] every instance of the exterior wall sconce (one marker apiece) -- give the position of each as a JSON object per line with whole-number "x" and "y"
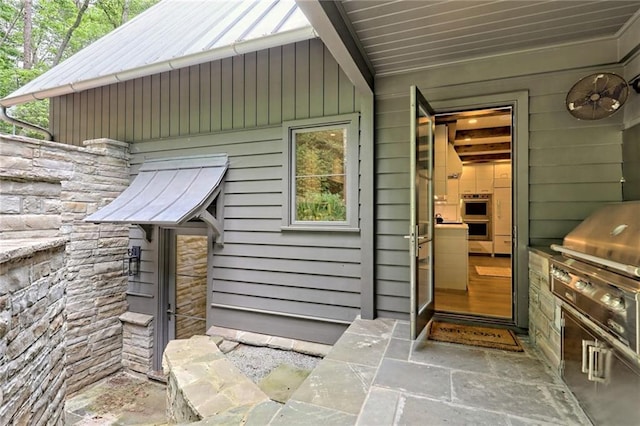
{"x": 131, "y": 263}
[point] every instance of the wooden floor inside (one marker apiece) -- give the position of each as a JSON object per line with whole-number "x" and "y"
{"x": 486, "y": 295}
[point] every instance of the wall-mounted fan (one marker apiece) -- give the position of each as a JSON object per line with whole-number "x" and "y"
{"x": 597, "y": 96}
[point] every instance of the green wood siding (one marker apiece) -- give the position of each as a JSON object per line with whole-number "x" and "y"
{"x": 295, "y": 81}
{"x": 574, "y": 166}
{"x": 236, "y": 106}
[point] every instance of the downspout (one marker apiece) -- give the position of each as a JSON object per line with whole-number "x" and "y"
{"x": 5, "y": 117}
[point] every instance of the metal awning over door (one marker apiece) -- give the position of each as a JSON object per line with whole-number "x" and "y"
{"x": 169, "y": 192}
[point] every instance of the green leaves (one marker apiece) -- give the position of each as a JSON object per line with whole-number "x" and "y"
{"x": 53, "y": 22}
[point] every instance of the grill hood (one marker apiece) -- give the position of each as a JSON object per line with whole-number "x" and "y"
{"x": 611, "y": 233}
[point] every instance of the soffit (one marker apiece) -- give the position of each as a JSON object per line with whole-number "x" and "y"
{"x": 399, "y": 36}
{"x": 167, "y": 192}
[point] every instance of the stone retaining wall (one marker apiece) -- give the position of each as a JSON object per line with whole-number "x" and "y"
{"x": 203, "y": 383}
{"x": 47, "y": 190}
{"x": 32, "y": 334}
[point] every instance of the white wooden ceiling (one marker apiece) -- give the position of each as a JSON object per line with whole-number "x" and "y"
{"x": 397, "y": 36}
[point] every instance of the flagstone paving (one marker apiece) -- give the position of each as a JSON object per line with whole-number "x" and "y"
{"x": 375, "y": 375}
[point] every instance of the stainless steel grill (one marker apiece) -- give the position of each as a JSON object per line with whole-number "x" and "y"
{"x": 597, "y": 275}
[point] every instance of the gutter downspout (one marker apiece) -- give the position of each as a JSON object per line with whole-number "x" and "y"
{"x": 5, "y": 117}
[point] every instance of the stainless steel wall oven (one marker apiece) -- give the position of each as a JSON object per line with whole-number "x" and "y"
{"x": 476, "y": 212}
{"x": 598, "y": 279}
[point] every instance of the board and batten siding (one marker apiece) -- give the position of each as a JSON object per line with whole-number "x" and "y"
{"x": 312, "y": 280}
{"x": 295, "y": 81}
{"x": 574, "y": 166}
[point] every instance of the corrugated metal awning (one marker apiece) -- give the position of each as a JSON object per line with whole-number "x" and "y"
{"x": 168, "y": 192}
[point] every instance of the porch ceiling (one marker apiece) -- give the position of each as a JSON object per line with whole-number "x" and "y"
{"x": 399, "y": 36}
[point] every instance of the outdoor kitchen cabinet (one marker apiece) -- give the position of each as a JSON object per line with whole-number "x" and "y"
{"x": 604, "y": 380}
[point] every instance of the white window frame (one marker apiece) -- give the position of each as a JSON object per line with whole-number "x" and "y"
{"x": 351, "y": 122}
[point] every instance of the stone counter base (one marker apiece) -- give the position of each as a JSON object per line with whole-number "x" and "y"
{"x": 203, "y": 383}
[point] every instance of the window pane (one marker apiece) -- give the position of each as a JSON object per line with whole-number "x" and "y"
{"x": 320, "y": 175}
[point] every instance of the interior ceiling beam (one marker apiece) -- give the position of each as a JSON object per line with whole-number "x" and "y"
{"x": 470, "y": 149}
{"x": 486, "y": 158}
{"x": 465, "y": 115}
{"x": 483, "y": 133}
{"x": 330, "y": 22}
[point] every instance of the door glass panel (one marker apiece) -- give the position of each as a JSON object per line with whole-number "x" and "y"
{"x": 424, "y": 172}
{"x": 421, "y": 221}
{"x": 191, "y": 286}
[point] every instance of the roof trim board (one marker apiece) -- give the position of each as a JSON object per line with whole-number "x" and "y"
{"x": 169, "y": 192}
{"x": 333, "y": 29}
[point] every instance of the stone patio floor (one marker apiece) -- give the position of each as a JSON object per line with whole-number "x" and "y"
{"x": 375, "y": 375}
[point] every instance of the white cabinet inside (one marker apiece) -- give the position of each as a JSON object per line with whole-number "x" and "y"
{"x": 477, "y": 179}
{"x": 450, "y": 256}
{"x": 502, "y": 240}
{"x": 502, "y": 174}
{"x": 440, "y": 163}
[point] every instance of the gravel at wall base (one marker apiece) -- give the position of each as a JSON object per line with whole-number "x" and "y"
{"x": 258, "y": 361}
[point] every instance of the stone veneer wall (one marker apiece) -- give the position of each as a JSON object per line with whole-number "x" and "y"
{"x": 32, "y": 334}
{"x": 191, "y": 286}
{"x": 544, "y": 310}
{"x": 137, "y": 342}
{"x": 49, "y": 185}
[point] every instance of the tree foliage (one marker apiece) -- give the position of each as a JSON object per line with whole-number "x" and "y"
{"x": 320, "y": 175}
{"x": 59, "y": 28}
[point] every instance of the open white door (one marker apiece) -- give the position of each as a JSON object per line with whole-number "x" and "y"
{"x": 421, "y": 230}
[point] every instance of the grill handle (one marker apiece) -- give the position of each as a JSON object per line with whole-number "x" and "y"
{"x": 627, "y": 269}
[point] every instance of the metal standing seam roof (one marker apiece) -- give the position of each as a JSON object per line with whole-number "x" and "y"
{"x": 166, "y": 192}
{"x": 172, "y": 34}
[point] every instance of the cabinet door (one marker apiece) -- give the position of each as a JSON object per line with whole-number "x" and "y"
{"x": 453, "y": 193}
{"x": 605, "y": 397}
{"x": 502, "y": 211}
{"x": 502, "y": 175}
{"x": 440, "y": 162}
{"x": 468, "y": 179}
{"x": 484, "y": 178}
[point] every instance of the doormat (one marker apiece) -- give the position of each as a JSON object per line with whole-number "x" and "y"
{"x": 494, "y": 271}
{"x": 486, "y": 337}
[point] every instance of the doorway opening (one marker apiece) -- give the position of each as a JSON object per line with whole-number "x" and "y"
{"x": 473, "y": 204}
{"x": 183, "y": 306}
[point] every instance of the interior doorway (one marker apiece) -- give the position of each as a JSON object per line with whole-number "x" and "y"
{"x": 184, "y": 302}
{"x": 474, "y": 244}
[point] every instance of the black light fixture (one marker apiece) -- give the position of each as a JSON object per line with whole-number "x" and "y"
{"x": 131, "y": 263}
